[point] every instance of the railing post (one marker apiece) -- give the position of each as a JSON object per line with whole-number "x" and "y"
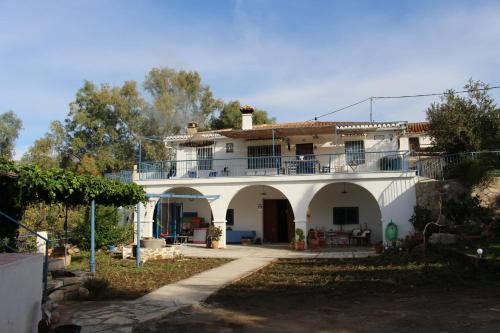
{"x": 138, "y": 251}
{"x": 46, "y": 271}
{"x": 92, "y": 237}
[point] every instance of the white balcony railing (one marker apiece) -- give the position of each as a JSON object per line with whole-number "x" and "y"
{"x": 356, "y": 162}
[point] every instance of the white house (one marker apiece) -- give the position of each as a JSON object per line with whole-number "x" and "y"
{"x": 268, "y": 180}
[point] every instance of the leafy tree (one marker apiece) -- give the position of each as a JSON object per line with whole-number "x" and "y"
{"x": 230, "y": 117}
{"x": 178, "y": 98}
{"x": 101, "y": 127}
{"x": 469, "y": 123}
{"x": 45, "y": 152}
{"x": 10, "y": 125}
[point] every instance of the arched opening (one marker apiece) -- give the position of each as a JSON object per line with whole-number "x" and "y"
{"x": 177, "y": 216}
{"x": 263, "y": 211}
{"x": 344, "y": 207}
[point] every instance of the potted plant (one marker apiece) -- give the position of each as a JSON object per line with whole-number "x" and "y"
{"x": 213, "y": 236}
{"x": 379, "y": 247}
{"x": 300, "y": 243}
{"x": 313, "y": 239}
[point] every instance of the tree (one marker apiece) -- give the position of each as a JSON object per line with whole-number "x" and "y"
{"x": 471, "y": 123}
{"x": 230, "y": 117}
{"x": 46, "y": 151}
{"x": 179, "y": 97}
{"x": 10, "y": 125}
{"x": 101, "y": 128}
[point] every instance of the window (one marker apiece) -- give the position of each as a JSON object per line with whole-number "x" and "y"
{"x": 229, "y": 147}
{"x": 260, "y": 157}
{"x": 204, "y": 156}
{"x": 414, "y": 144}
{"x": 230, "y": 216}
{"x": 345, "y": 215}
{"x": 355, "y": 152}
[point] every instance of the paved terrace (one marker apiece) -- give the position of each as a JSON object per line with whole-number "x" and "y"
{"x": 275, "y": 251}
{"x": 122, "y": 316}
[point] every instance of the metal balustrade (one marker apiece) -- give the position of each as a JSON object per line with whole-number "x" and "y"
{"x": 434, "y": 166}
{"x": 353, "y": 162}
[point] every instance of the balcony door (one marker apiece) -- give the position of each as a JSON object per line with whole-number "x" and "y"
{"x": 304, "y": 149}
{"x": 306, "y": 163}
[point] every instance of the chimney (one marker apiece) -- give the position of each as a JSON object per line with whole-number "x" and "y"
{"x": 246, "y": 117}
{"x": 192, "y": 128}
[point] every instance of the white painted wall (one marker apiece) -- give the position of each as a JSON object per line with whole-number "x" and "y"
{"x": 247, "y": 215}
{"x": 330, "y": 196}
{"x": 20, "y": 292}
{"x": 394, "y": 192}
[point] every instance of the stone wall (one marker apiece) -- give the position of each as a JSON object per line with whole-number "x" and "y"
{"x": 490, "y": 195}
{"x": 427, "y": 192}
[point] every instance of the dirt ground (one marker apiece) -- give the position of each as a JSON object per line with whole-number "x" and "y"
{"x": 424, "y": 311}
{"x": 335, "y": 297}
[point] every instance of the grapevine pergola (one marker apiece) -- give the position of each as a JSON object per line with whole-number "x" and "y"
{"x": 24, "y": 184}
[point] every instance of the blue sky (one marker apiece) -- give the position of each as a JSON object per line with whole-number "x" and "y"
{"x": 296, "y": 59}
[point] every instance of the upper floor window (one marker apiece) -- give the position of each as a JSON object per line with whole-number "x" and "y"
{"x": 229, "y": 147}
{"x": 355, "y": 152}
{"x": 261, "y": 157}
{"x": 205, "y": 158}
{"x": 414, "y": 144}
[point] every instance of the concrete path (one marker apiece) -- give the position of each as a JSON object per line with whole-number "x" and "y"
{"x": 275, "y": 251}
{"x": 123, "y": 316}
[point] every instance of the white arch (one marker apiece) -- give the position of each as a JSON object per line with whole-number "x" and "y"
{"x": 320, "y": 207}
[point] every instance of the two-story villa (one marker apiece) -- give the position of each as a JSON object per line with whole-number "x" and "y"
{"x": 271, "y": 179}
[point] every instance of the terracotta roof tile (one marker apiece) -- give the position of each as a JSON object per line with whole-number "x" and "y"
{"x": 417, "y": 127}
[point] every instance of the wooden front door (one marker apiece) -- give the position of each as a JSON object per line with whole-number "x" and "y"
{"x": 278, "y": 221}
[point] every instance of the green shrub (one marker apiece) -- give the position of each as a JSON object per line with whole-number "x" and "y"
{"x": 474, "y": 171}
{"x": 107, "y": 229}
{"x": 465, "y": 210}
{"x": 421, "y": 216}
{"x": 97, "y": 287}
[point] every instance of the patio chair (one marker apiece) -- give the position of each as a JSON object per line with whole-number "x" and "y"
{"x": 212, "y": 174}
{"x": 192, "y": 174}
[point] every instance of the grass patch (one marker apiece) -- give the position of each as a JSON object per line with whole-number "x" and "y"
{"x": 126, "y": 281}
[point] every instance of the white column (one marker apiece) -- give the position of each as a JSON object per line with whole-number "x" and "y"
{"x": 301, "y": 225}
{"x": 146, "y": 221}
{"x": 222, "y": 226}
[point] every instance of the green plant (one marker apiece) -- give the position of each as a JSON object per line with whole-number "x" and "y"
{"x": 214, "y": 233}
{"x": 473, "y": 171}
{"x": 421, "y": 216}
{"x": 97, "y": 287}
{"x": 108, "y": 231}
{"x": 299, "y": 233}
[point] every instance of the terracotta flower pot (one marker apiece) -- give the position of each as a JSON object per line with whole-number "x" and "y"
{"x": 215, "y": 244}
{"x": 379, "y": 248}
{"x": 314, "y": 244}
{"x": 300, "y": 245}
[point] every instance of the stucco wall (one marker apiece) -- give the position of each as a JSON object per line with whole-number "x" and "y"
{"x": 321, "y": 208}
{"x": 20, "y": 292}
{"x": 247, "y": 215}
{"x": 393, "y": 192}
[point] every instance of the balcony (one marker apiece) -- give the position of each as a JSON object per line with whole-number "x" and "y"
{"x": 356, "y": 162}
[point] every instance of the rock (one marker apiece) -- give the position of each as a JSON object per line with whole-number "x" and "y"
{"x": 71, "y": 280}
{"x": 55, "y": 317}
{"x": 70, "y": 294}
{"x": 443, "y": 238}
{"x": 54, "y": 284}
{"x": 57, "y": 296}
{"x": 83, "y": 293}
